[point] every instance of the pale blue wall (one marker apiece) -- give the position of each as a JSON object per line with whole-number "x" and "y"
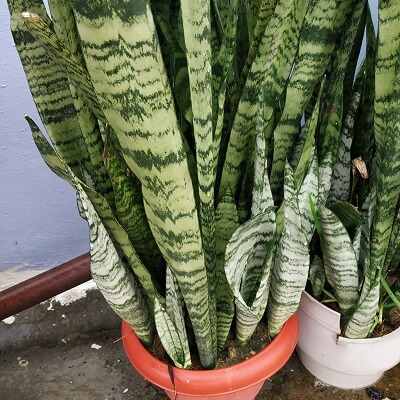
{"x": 39, "y": 224}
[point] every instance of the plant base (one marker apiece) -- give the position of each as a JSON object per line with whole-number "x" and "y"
{"x": 242, "y": 381}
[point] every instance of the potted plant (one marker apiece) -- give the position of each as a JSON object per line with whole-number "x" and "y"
{"x": 350, "y": 330}
{"x": 194, "y": 133}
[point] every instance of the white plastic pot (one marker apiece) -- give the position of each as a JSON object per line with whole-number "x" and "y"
{"x": 339, "y": 361}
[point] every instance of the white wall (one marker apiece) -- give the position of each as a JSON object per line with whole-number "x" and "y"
{"x": 39, "y": 224}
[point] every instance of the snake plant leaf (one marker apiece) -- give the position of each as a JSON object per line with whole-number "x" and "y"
{"x": 41, "y": 29}
{"x": 387, "y": 134}
{"x": 250, "y": 243}
{"x": 262, "y": 196}
{"x": 129, "y": 208}
{"x": 363, "y": 143}
{"x": 222, "y": 62}
{"x": 65, "y": 29}
{"x": 309, "y": 188}
{"x": 308, "y": 150}
{"x": 340, "y": 261}
{"x": 348, "y": 215}
{"x": 265, "y": 11}
{"x": 114, "y": 280}
{"x": 317, "y": 276}
{"x": 117, "y": 284}
{"x": 138, "y": 105}
{"x": 306, "y": 175}
{"x": 226, "y": 222}
{"x": 317, "y": 42}
{"x": 332, "y": 118}
{"x": 262, "y": 203}
{"x": 196, "y": 27}
{"x": 170, "y": 323}
{"x": 292, "y": 261}
{"x": 270, "y": 69}
{"x": 100, "y": 204}
{"x": 49, "y": 87}
{"x": 394, "y": 240}
{"x": 169, "y": 335}
{"x": 47, "y": 152}
{"x": 362, "y": 320}
{"x": 341, "y": 176}
{"x": 387, "y": 180}
{"x": 360, "y": 323}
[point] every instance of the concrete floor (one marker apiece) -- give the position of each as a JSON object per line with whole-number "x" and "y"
{"x": 67, "y": 367}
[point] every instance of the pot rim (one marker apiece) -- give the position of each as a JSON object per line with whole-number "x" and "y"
{"x": 343, "y": 339}
{"x": 250, "y": 372}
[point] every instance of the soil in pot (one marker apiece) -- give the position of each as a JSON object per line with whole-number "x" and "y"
{"x": 233, "y": 353}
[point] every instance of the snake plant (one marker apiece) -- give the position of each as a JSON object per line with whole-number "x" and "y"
{"x": 206, "y": 140}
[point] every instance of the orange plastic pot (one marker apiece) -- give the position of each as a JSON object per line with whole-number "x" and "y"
{"x": 240, "y": 382}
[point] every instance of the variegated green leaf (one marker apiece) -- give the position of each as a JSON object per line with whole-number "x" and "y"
{"x": 322, "y": 23}
{"x": 341, "y": 177}
{"x": 250, "y": 246}
{"x": 114, "y": 280}
{"x": 137, "y": 103}
{"x": 49, "y": 87}
{"x": 65, "y": 28}
{"x": 270, "y": 70}
{"x": 119, "y": 236}
{"x": 118, "y": 286}
{"x": 291, "y": 263}
{"x": 332, "y": 118}
{"x": 308, "y": 189}
{"x": 52, "y": 160}
{"x": 170, "y": 323}
{"x": 317, "y": 276}
{"x": 387, "y": 134}
{"x": 196, "y": 27}
{"x": 226, "y": 222}
{"x": 339, "y": 259}
{"x": 360, "y": 323}
{"x": 170, "y": 336}
{"x": 262, "y": 196}
{"x": 129, "y": 208}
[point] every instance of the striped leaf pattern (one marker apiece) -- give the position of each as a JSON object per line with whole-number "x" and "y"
{"x": 317, "y": 276}
{"x": 101, "y": 206}
{"x": 65, "y": 28}
{"x": 226, "y": 223}
{"x": 262, "y": 202}
{"x": 49, "y": 87}
{"x": 339, "y": 259}
{"x": 317, "y": 41}
{"x": 341, "y": 176}
{"x": 308, "y": 189}
{"x": 291, "y": 261}
{"x": 360, "y": 323}
{"x": 387, "y": 133}
{"x": 113, "y": 278}
{"x": 251, "y": 243}
{"x": 138, "y": 105}
{"x": 331, "y": 123}
{"x": 117, "y": 284}
{"x": 262, "y": 196}
{"x": 196, "y": 27}
{"x": 270, "y": 69}
{"x": 129, "y": 208}
{"x": 170, "y": 323}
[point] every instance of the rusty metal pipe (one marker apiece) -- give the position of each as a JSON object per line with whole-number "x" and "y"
{"x": 45, "y": 285}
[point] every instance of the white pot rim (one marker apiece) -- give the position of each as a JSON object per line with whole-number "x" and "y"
{"x": 334, "y": 318}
